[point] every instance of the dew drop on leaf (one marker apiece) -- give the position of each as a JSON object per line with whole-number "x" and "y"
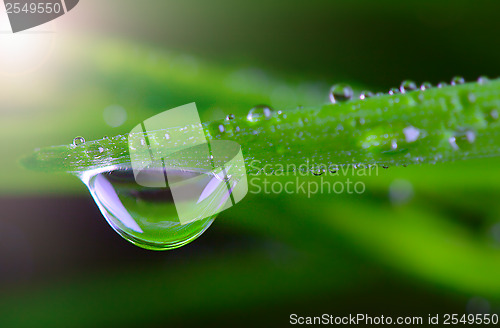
{"x": 230, "y": 117}
{"x": 148, "y": 217}
{"x": 483, "y": 79}
{"x": 394, "y": 145}
{"x": 494, "y": 114}
{"x": 366, "y": 94}
{"x": 78, "y": 141}
{"x": 425, "y": 86}
{"x": 411, "y": 133}
{"x": 408, "y": 86}
{"x": 393, "y": 91}
{"x": 259, "y": 112}
{"x": 457, "y": 80}
{"x": 340, "y": 92}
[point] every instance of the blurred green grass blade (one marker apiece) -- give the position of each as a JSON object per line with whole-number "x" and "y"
{"x": 413, "y": 239}
{"x": 201, "y": 288}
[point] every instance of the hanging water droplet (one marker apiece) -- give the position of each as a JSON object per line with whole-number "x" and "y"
{"x": 483, "y": 79}
{"x": 366, "y": 94}
{"x": 78, "y": 141}
{"x": 457, "y": 80}
{"x": 425, "y": 86}
{"x": 408, "y": 86}
{"x": 341, "y": 92}
{"x": 393, "y": 91}
{"x": 230, "y": 117}
{"x": 258, "y": 112}
{"x": 148, "y": 217}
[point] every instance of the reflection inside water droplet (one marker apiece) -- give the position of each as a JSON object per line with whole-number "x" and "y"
{"x": 146, "y": 216}
{"x": 407, "y": 86}
{"x": 258, "y": 112}
{"x": 341, "y": 92}
{"x": 78, "y": 141}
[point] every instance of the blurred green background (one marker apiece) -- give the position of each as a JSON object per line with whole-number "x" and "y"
{"x": 422, "y": 239}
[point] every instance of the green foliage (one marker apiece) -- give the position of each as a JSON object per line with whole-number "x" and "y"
{"x": 435, "y": 125}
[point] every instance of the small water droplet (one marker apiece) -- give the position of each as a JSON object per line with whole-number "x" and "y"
{"x": 470, "y": 136}
{"x": 462, "y": 140}
{"x": 393, "y": 91}
{"x": 167, "y": 136}
{"x": 483, "y": 79}
{"x": 317, "y": 171}
{"x": 453, "y": 143}
{"x": 230, "y": 117}
{"x": 442, "y": 85}
{"x": 425, "y": 86}
{"x": 222, "y": 129}
{"x": 494, "y": 114}
{"x": 106, "y": 137}
{"x": 457, "y": 80}
{"x": 341, "y": 92}
{"x": 366, "y": 94}
{"x": 394, "y": 145}
{"x": 408, "y": 86}
{"x": 411, "y": 133}
{"x": 78, "y": 141}
{"x": 258, "y": 112}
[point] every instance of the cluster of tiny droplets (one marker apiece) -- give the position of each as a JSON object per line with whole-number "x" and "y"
{"x": 408, "y": 85}
{"x": 338, "y": 93}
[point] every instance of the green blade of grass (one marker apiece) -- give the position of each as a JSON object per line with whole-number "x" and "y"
{"x": 440, "y": 124}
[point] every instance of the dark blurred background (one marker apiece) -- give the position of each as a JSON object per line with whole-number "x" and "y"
{"x": 422, "y": 239}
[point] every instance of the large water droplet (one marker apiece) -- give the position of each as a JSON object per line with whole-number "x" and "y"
{"x": 258, "y": 112}
{"x": 408, "y": 86}
{"x": 148, "y": 217}
{"x": 341, "y": 92}
{"x": 78, "y": 141}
